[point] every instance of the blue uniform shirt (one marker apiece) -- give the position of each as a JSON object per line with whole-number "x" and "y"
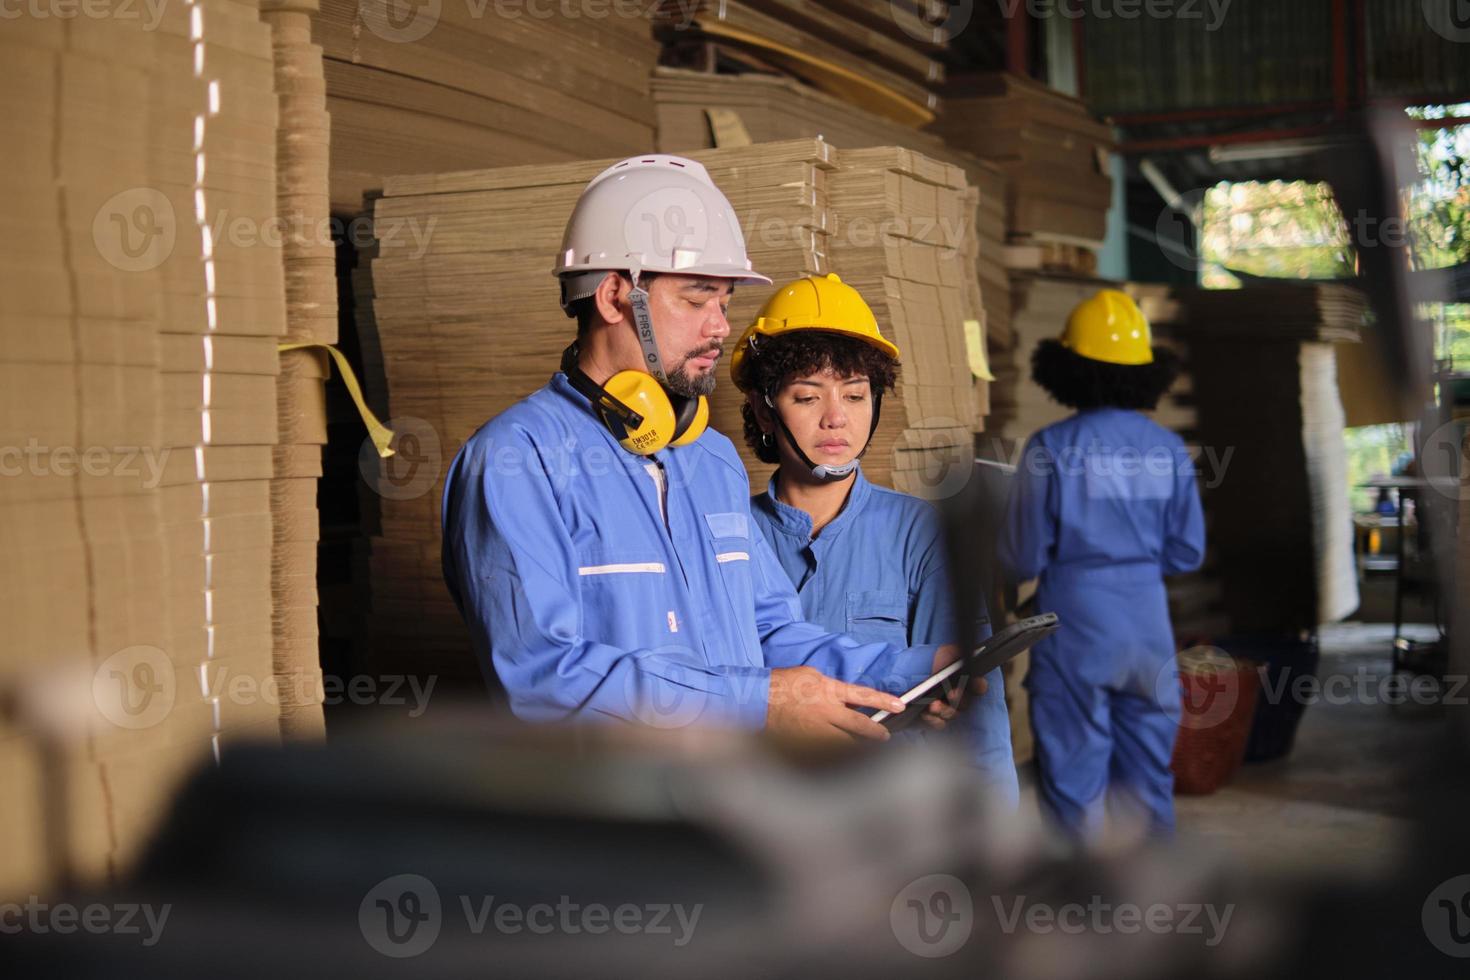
{"x": 587, "y": 595}
{"x": 1101, "y": 489}
{"x": 877, "y": 572}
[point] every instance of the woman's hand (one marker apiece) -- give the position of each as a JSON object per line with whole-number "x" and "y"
{"x": 942, "y": 711}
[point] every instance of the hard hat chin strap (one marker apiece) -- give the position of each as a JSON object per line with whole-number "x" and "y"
{"x": 643, "y": 325}
{"x": 822, "y": 471}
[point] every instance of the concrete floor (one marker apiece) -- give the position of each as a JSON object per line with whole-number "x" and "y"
{"x": 1342, "y": 797}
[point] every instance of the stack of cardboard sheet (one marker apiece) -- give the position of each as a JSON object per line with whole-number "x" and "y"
{"x": 440, "y": 319}
{"x": 990, "y": 229}
{"x": 899, "y": 239}
{"x": 86, "y": 574}
{"x": 1290, "y": 428}
{"x": 1054, "y": 154}
{"x": 1018, "y": 406}
{"x": 891, "y": 76}
{"x": 1196, "y": 600}
{"x": 1167, "y": 316}
{"x": 1288, "y": 311}
{"x": 311, "y": 318}
{"x": 224, "y": 292}
{"x": 768, "y": 108}
{"x": 139, "y": 544}
{"x": 1296, "y": 329}
{"x": 459, "y": 85}
{"x": 696, "y": 111}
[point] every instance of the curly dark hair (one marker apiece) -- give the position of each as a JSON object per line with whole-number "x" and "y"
{"x": 804, "y": 352}
{"x": 1082, "y": 383}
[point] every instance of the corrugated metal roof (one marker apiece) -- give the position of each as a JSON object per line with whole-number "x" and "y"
{"x": 1418, "y": 49}
{"x": 1257, "y": 52}
{"x": 1265, "y": 52}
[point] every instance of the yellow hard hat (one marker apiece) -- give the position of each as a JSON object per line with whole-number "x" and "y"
{"x": 1109, "y": 327}
{"x": 812, "y": 303}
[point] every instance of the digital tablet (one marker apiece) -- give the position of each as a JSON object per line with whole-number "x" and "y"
{"x": 1002, "y": 646}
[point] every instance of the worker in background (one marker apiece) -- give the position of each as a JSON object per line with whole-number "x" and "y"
{"x": 1104, "y": 506}
{"x": 597, "y": 535}
{"x": 865, "y": 560}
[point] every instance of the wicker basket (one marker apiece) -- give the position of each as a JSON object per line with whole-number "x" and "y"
{"x": 1219, "y": 702}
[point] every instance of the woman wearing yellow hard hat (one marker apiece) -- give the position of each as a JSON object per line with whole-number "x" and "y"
{"x": 1103, "y": 507}
{"x": 865, "y": 560}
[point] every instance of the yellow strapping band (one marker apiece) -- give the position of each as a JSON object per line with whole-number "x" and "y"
{"x": 381, "y": 435}
{"x": 870, "y": 95}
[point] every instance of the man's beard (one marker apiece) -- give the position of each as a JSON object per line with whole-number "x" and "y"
{"x": 688, "y": 385}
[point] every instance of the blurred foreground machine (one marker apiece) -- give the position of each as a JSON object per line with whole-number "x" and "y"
{"x": 623, "y": 853}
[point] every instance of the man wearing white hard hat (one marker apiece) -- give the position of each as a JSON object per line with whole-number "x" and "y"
{"x": 597, "y": 536}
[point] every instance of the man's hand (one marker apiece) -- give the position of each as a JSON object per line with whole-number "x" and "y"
{"x": 940, "y": 712}
{"x": 809, "y": 704}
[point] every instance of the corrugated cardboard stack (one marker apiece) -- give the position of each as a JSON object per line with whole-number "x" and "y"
{"x": 311, "y": 318}
{"x": 1167, "y": 316}
{"x": 131, "y": 581}
{"x": 1018, "y": 406}
{"x": 1286, "y": 311}
{"x": 1053, "y": 152}
{"x": 449, "y": 361}
{"x": 1281, "y": 338}
{"x": 1269, "y": 433}
{"x": 79, "y": 421}
{"x": 990, "y": 227}
{"x": 224, "y": 290}
{"x": 892, "y": 74}
{"x": 770, "y": 108}
{"x": 1196, "y": 600}
{"x": 901, "y": 224}
{"x": 459, "y": 85}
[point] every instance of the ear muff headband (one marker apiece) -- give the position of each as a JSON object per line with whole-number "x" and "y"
{"x": 597, "y": 394}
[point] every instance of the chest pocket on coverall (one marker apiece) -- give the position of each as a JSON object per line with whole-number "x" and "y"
{"x": 728, "y": 536}
{"x": 879, "y": 615}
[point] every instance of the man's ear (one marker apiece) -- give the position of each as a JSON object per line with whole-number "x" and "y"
{"x": 610, "y": 297}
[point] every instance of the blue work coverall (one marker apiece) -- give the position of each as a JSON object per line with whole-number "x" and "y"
{"x": 1104, "y": 505}
{"x": 587, "y": 596}
{"x": 877, "y": 572}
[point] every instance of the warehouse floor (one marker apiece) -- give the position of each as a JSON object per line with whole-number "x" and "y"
{"x": 1344, "y": 795}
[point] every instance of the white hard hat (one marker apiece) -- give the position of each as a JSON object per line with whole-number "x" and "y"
{"x": 654, "y": 213}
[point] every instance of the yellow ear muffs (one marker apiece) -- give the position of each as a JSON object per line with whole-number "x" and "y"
{"x": 643, "y": 394}
{"x": 667, "y": 420}
{"x": 693, "y": 420}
